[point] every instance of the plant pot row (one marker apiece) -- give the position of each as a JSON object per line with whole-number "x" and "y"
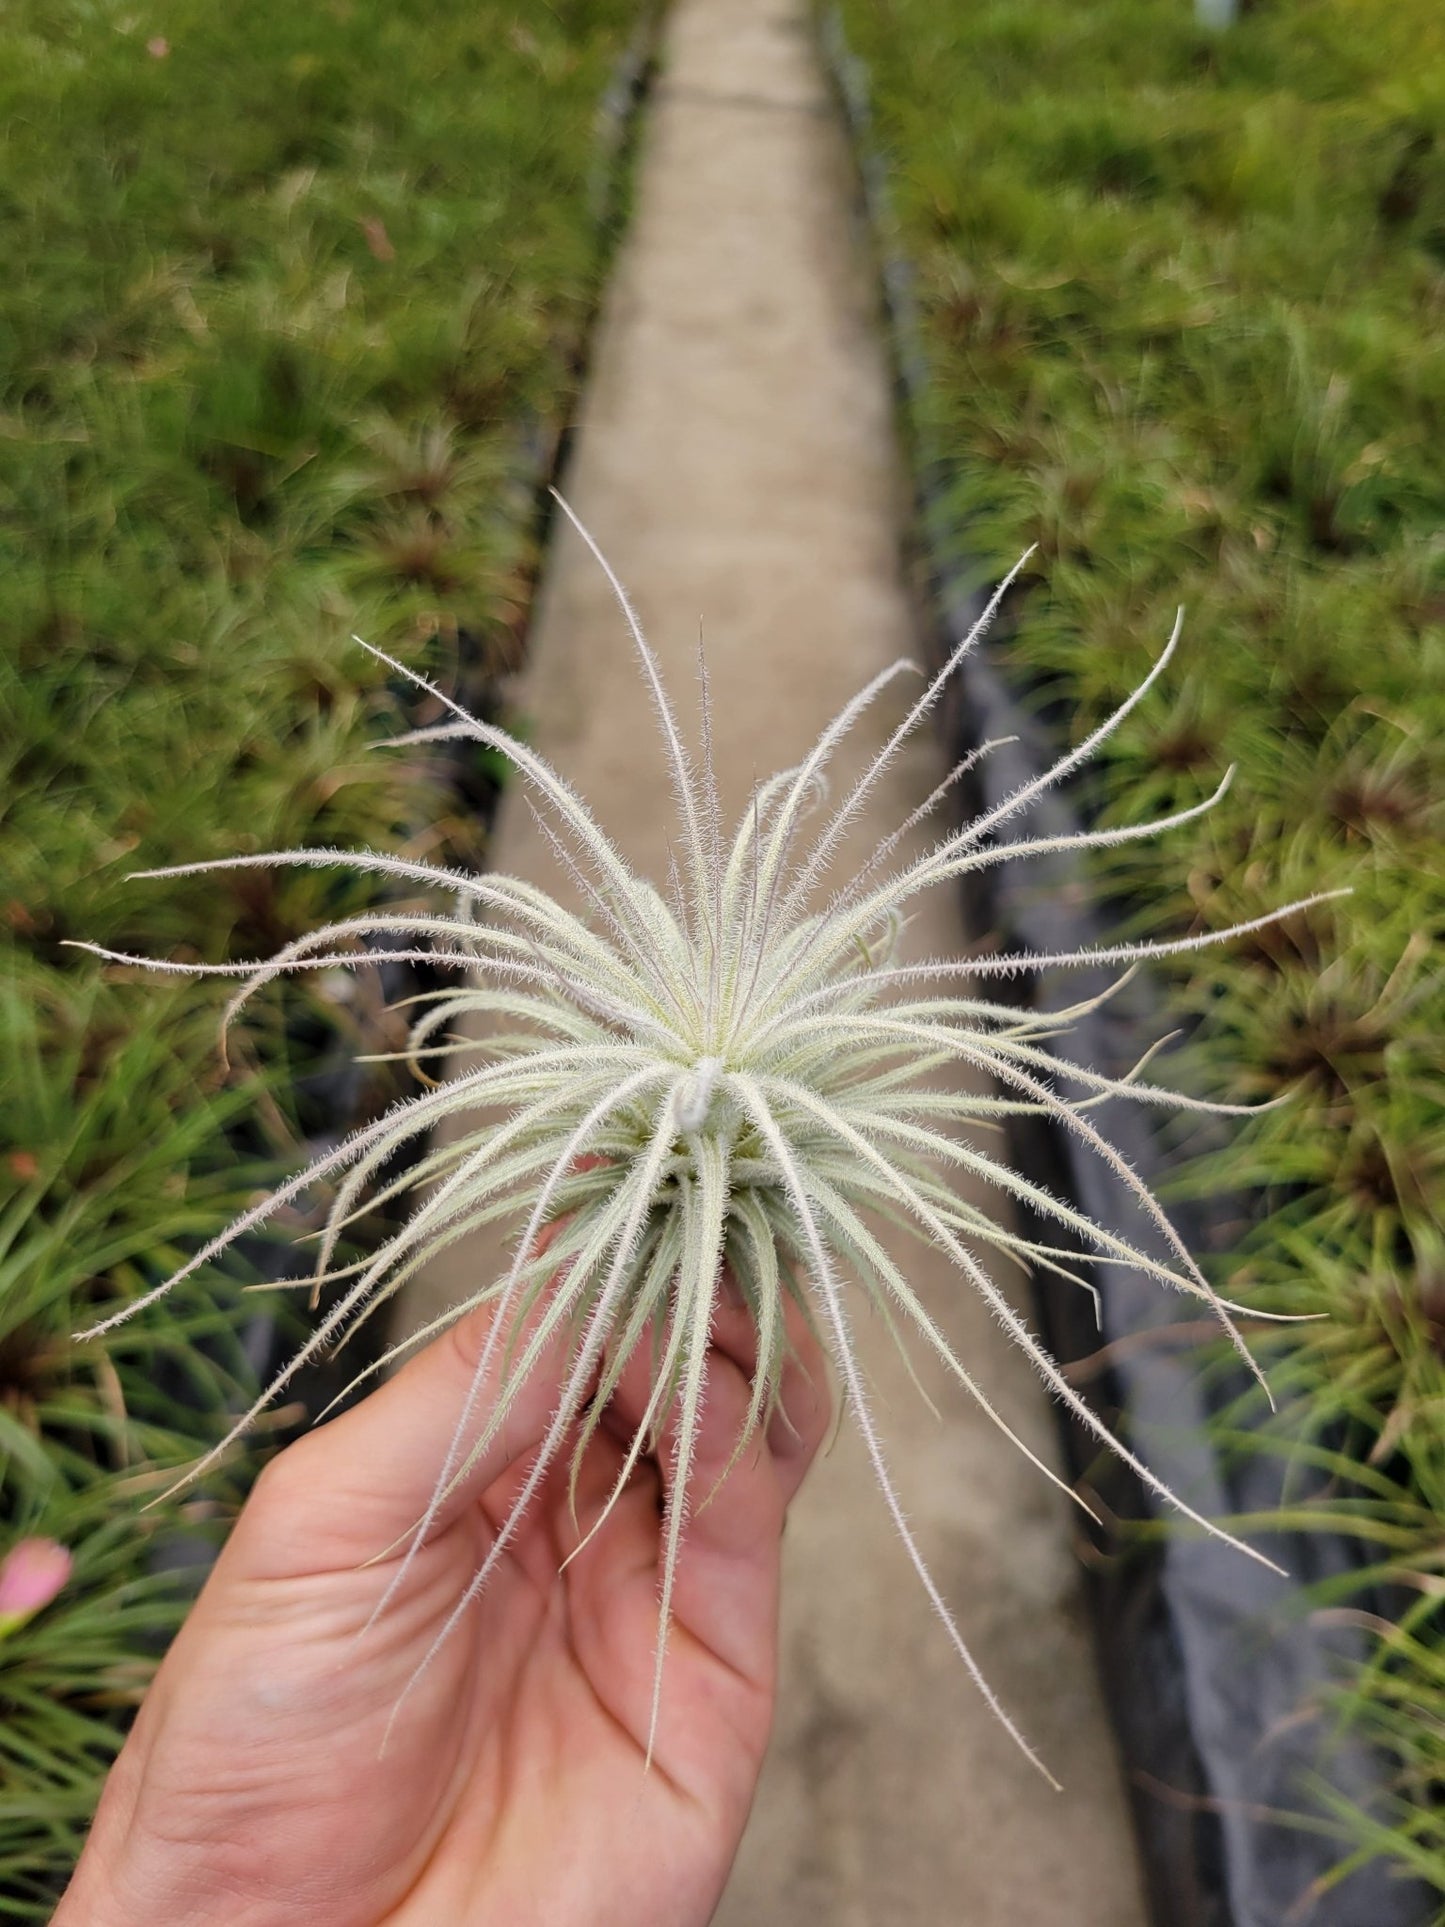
{"x": 335, "y": 1093}
{"x": 1217, "y": 1673}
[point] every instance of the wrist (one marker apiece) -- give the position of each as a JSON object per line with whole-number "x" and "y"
{"x": 143, "y": 1888}
{"x": 102, "y": 1890}
{"x": 127, "y": 1878}
{"x": 96, "y": 1896}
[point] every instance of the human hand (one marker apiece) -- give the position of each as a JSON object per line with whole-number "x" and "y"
{"x": 254, "y": 1787}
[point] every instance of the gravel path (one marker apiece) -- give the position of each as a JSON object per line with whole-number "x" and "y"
{"x": 736, "y": 462}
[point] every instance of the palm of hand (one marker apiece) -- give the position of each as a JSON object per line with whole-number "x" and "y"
{"x": 511, "y": 1785}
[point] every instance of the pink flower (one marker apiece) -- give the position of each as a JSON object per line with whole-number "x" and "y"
{"x": 31, "y": 1574}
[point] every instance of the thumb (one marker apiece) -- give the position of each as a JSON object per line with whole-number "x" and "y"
{"x": 346, "y": 1492}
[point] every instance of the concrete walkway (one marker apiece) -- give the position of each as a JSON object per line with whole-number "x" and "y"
{"x": 736, "y": 462}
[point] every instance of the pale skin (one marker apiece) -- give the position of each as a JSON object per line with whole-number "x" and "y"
{"x": 254, "y": 1788}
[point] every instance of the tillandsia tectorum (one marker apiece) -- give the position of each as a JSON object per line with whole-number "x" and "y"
{"x": 731, "y": 1074}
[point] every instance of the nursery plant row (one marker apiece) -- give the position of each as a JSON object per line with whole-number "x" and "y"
{"x": 292, "y": 317}
{"x": 1178, "y": 300}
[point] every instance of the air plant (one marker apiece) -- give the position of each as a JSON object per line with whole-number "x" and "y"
{"x": 727, "y": 1075}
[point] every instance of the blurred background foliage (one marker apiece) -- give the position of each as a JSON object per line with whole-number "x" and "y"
{"x": 1183, "y": 305}
{"x": 292, "y": 312}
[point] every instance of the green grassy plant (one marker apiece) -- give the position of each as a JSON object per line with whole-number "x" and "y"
{"x": 292, "y": 297}
{"x": 1180, "y": 300}
{"x": 726, "y": 1071}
